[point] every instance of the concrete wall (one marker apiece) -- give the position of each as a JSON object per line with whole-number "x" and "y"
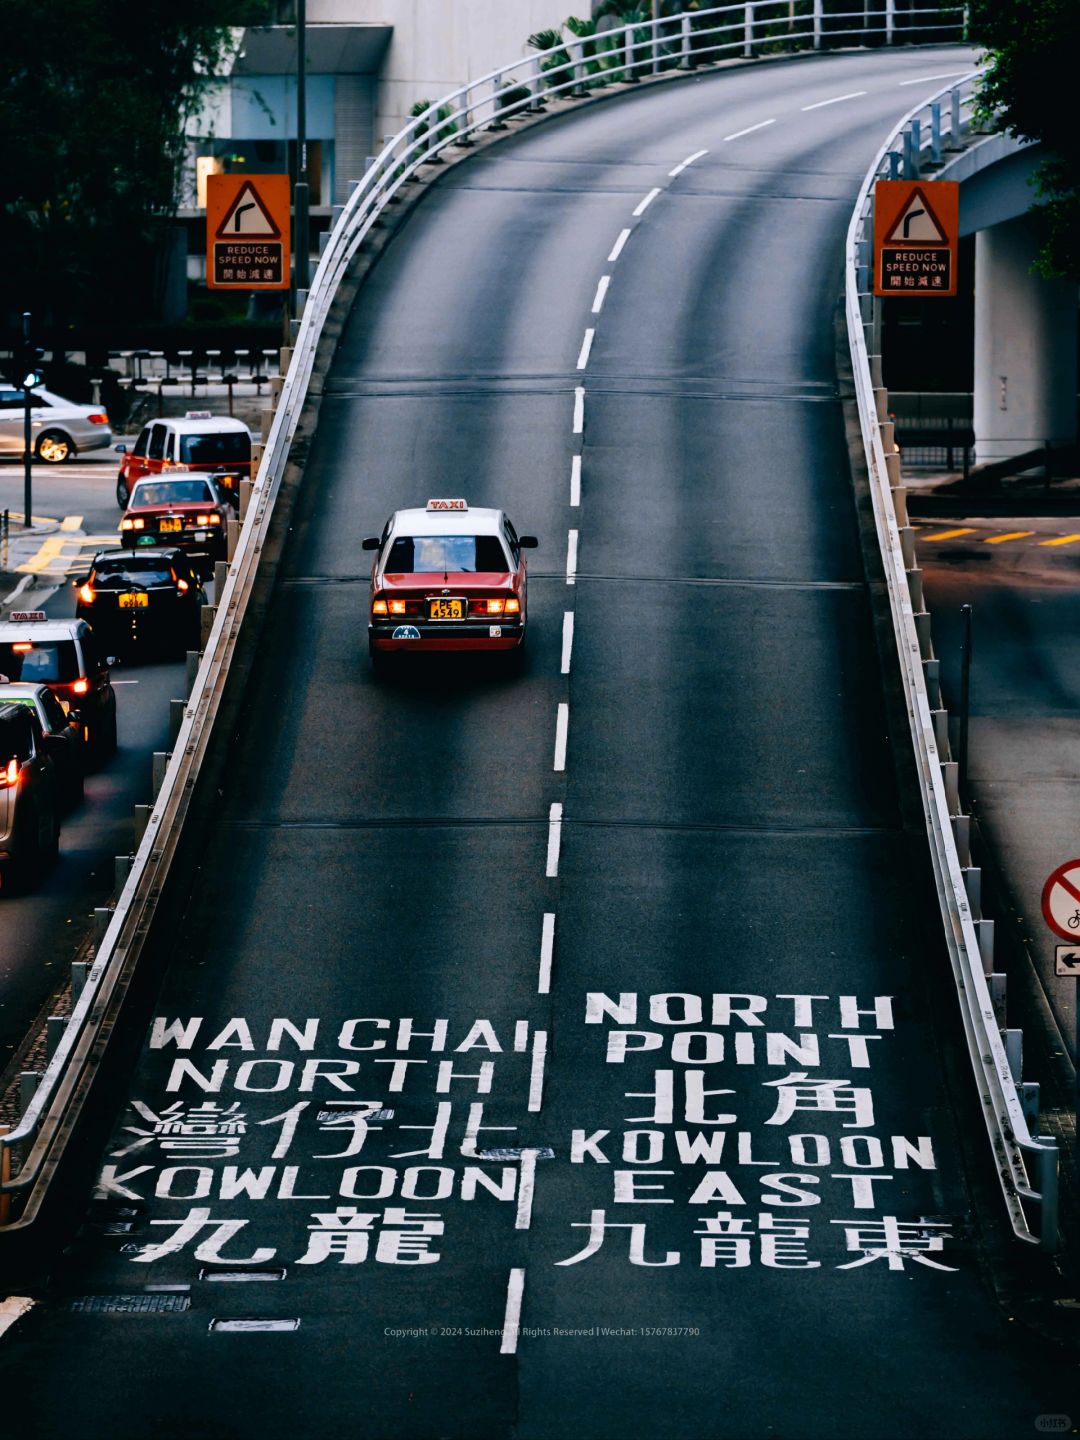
{"x": 440, "y": 44}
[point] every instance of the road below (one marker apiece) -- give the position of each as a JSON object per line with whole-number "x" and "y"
{"x": 496, "y": 1092}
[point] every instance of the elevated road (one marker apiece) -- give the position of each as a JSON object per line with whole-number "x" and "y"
{"x": 687, "y": 1158}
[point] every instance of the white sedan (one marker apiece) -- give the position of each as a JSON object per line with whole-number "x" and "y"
{"x": 59, "y": 428}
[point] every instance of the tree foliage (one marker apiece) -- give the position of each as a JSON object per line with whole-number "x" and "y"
{"x": 94, "y": 96}
{"x": 1032, "y": 47}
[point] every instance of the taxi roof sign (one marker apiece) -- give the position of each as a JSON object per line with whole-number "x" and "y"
{"x": 448, "y": 505}
{"x": 22, "y": 615}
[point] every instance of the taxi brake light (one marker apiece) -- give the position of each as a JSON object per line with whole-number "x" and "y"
{"x": 204, "y": 519}
{"x": 182, "y": 586}
{"x": 22, "y": 646}
{"x": 378, "y": 607}
{"x": 513, "y": 606}
{"x": 397, "y": 607}
{"x": 86, "y": 594}
{"x": 10, "y": 773}
{"x": 494, "y": 607}
{"x": 81, "y": 687}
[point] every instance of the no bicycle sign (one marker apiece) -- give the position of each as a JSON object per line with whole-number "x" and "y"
{"x": 1061, "y": 901}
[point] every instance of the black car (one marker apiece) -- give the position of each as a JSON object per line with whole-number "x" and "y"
{"x": 61, "y": 736}
{"x": 29, "y": 824}
{"x": 143, "y": 601}
{"x": 66, "y": 656}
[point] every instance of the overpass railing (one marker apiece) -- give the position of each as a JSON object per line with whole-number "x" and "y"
{"x": 579, "y": 66}
{"x": 1026, "y": 1163}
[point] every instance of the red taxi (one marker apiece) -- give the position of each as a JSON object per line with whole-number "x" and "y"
{"x": 447, "y": 578}
{"x": 215, "y": 445}
{"x": 188, "y": 513}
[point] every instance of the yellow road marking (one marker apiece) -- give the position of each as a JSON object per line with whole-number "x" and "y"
{"x": 46, "y": 557}
{"x": 1061, "y": 540}
{"x": 949, "y": 534}
{"x": 95, "y": 542}
{"x": 1012, "y": 535}
{"x": 71, "y": 522}
{"x": 20, "y": 516}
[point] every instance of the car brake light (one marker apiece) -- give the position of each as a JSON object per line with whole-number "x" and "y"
{"x": 22, "y": 646}
{"x": 182, "y": 586}
{"x": 513, "y": 606}
{"x": 81, "y": 687}
{"x": 378, "y": 607}
{"x": 397, "y": 607}
{"x": 10, "y": 773}
{"x": 132, "y": 524}
{"x": 86, "y": 594}
{"x": 202, "y": 519}
{"x": 494, "y": 607}
{"x": 98, "y": 419}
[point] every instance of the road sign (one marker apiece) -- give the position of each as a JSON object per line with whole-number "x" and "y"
{"x": 1061, "y": 901}
{"x": 1067, "y": 960}
{"x": 247, "y": 232}
{"x": 916, "y": 232}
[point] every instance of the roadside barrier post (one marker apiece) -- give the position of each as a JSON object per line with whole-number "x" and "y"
{"x": 965, "y": 695}
{"x": 54, "y": 1030}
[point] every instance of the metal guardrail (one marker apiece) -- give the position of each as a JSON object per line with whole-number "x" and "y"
{"x": 572, "y": 69}
{"x": 1027, "y": 1164}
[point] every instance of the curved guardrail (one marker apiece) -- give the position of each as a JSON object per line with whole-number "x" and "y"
{"x": 1027, "y": 1165}
{"x": 576, "y": 67}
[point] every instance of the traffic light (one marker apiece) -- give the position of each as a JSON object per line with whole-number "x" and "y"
{"x": 29, "y": 374}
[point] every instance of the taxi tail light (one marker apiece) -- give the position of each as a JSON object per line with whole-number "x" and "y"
{"x": 378, "y": 607}
{"x": 129, "y": 524}
{"x": 22, "y": 647}
{"x": 86, "y": 594}
{"x": 80, "y": 687}
{"x": 208, "y": 519}
{"x": 397, "y": 607}
{"x": 9, "y": 775}
{"x": 182, "y": 586}
{"x": 513, "y": 606}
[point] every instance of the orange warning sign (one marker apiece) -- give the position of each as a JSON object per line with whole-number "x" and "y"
{"x": 916, "y": 233}
{"x": 247, "y": 232}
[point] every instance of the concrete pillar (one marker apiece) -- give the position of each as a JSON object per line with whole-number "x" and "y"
{"x": 1025, "y": 347}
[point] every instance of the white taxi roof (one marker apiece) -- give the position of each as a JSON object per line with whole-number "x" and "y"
{"x": 447, "y": 522}
{"x": 40, "y": 630}
{"x": 215, "y": 425}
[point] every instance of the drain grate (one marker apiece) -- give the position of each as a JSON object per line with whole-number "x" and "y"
{"x": 242, "y": 1275}
{"x": 253, "y": 1326}
{"x": 130, "y": 1304}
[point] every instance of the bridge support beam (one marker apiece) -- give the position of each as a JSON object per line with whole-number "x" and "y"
{"x": 1025, "y": 347}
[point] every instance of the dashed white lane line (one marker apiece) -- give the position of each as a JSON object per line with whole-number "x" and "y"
{"x": 562, "y": 727}
{"x": 12, "y": 1309}
{"x": 554, "y": 839}
{"x": 684, "y": 163}
{"x": 547, "y": 949}
{"x": 526, "y": 1186}
{"x": 643, "y": 205}
{"x": 624, "y": 235}
{"x": 512, "y": 1321}
{"x": 836, "y": 99}
{"x": 575, "y": 480}
{"x": 536, "y": 1078}
{"x": 586, "y": 346}
{"x": 579, "y": 410}
{"x": 601, "y": 291}
{"x": 567, "y": 641}
{"x": 571, "y": 557}
{"x": 945, "y": 75}
{"x": 750, "y": 129}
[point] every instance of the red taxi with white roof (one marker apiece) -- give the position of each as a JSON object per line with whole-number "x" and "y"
{"x": 447, "y": 577}
{"x": 188, "y": 512}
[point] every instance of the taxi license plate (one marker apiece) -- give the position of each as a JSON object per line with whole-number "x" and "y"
{"x": 446, "y": 609}
{"x": 171, "y": 524}
{"x": 133, "y": 600}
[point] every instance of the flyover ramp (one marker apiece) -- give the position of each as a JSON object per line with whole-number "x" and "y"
{"x": 731, "y": 826}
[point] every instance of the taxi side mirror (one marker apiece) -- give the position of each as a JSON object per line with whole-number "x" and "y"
{"x": 370, "y": 542}
{"x": 120, "y": 449}
{"x": 528, "y": 542}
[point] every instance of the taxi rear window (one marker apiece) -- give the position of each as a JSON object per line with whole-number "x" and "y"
{"x": 15, "y": 741}
{"x": 45, "y": 661}
{"x": 139, "y": 570}
{"x": 464, "y": 553}
{"x": 173, "y": 492}
{"x": 228, "y": 448}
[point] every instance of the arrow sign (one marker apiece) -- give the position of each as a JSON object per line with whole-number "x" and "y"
{"x": 1067, "y": 960}
{"x": 247, "y": 218}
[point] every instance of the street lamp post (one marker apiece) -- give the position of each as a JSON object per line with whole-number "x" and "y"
{"x": 300, "y": 193}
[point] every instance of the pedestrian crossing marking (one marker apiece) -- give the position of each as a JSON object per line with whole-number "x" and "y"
{"x": 71, "y": 522}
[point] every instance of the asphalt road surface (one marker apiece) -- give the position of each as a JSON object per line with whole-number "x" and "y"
{"x": 43, "y": 928}
{"x": 405, "y": 1157}
{"x": 1020, "y": 577}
